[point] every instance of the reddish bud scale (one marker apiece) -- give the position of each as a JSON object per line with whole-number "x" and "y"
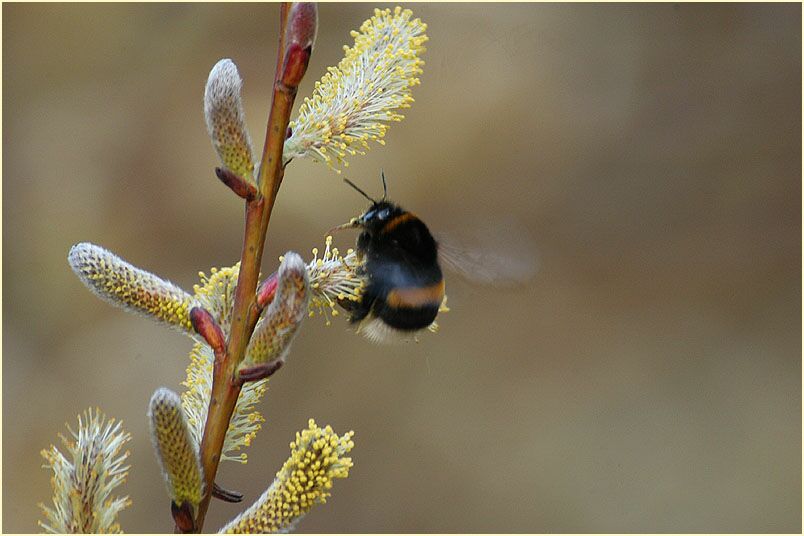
{"x": 226, "y": 495}
{"x": 236, "y": 183}
{"x": 295, "y": 65}
{"x": 302, "y": 26}
{"x": 206, "y": 326}
{"x": 267, "y": 290}
{"x": 183, "y": 516}
{"x": 258, "y": 372}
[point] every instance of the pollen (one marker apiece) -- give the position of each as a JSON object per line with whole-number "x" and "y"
{"x": 317, "y": 458}
{"x": 246, "y": 420}
{"x": 216, "y": 294}
{"x": 353, "y": 103}
{"x": 334, "y": 280}
{"x": 119, "y": 283}
{"x": 84, "y": 478}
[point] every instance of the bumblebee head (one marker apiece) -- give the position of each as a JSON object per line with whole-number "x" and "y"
{"x": 373, "y": 219}
{"x": 377, "y": 215}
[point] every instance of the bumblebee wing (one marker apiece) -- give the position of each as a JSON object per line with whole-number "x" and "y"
{"x": 493, "y": 256}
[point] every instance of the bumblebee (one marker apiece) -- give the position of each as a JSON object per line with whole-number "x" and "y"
{"x": 399, "y": 258}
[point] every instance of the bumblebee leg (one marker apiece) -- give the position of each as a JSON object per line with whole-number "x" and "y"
{"x": 359, "y": 313}
{"x": 362, "y": 244}
{"x": 361, "y": 309}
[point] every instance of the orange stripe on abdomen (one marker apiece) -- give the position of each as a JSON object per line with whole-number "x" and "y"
{"x": 416, "y": 296}
{"x": 393, "y": 223}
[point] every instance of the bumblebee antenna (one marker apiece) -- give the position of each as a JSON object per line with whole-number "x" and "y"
{"x": 353, "y": 185}
{"x": 384, "y": 185}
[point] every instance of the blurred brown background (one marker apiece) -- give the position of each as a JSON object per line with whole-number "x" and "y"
{"x": 648, "y": 378}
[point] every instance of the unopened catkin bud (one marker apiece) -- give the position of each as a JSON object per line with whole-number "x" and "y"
{"x": 300, "y": 33}
{"x": 302, "y": 25}
{"x": 175, "y": 449}
{"x": 226, "y": 121}
{"x": 277, "y": 329}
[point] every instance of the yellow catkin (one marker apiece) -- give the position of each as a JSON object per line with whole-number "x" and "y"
{"x": 333, "y": 279}
{"x": 354, "y": 102}
{"x": 175, "y": 449}
{"x": 316, "y": 459}
{"x": 84, "y": 478}
{"x": 119, "y": 283}
{"x": 216, "y": 294}
{"x": 246, "y": 420}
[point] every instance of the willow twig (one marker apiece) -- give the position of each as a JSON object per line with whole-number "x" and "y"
{"x": 226, "y": 385}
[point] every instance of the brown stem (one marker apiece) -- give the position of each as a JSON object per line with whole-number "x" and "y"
{"x": 225, "y": 385}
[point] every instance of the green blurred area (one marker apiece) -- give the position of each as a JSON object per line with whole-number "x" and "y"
{"x": 647, "y": 379}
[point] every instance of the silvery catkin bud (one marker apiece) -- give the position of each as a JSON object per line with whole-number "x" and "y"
{"x": 175, "y": 450}
{"x": 276, "y": 330}
{"x": 226, "y": 121}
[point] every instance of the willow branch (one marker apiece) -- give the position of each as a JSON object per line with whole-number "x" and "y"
{"x": 297, "y": 29}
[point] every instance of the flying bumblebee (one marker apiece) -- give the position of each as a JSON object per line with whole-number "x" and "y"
{"x": 402, "y": 262}
{"x": 399, "y": 257}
